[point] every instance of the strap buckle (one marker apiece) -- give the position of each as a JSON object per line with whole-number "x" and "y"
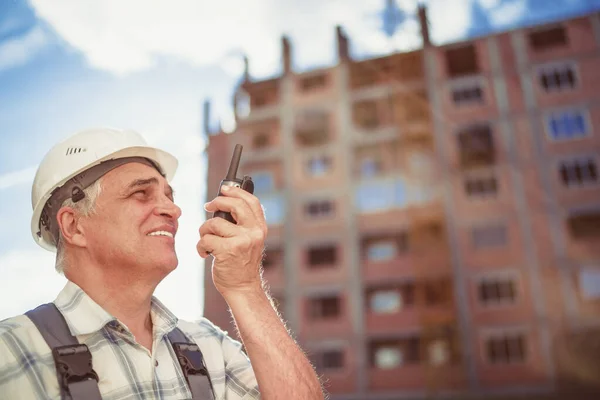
{"x": 190, "y": 359}
{"x": 74, "y": 364}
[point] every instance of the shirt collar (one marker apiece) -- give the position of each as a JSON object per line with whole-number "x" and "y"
{"x": 84, "y": 316}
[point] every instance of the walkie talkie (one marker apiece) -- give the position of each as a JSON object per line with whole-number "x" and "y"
{"x": 232, "y": 180}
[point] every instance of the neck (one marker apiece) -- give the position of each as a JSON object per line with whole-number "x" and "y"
{"x": 125, "y": 296}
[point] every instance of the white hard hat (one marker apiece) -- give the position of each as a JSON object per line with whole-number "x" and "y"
{"x": 75, "y": 163}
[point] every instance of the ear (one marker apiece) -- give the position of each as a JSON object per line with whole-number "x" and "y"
{"x": 69, "y": 224}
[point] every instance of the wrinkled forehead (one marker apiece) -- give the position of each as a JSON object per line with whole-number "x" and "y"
{"x": 133, "y": 175}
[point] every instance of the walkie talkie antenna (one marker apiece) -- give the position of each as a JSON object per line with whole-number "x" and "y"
{"x": 235, "y": 163}
{"x": 231, "y": 180}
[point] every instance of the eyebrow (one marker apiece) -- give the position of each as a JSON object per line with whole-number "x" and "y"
{"x": 149, "y": 181}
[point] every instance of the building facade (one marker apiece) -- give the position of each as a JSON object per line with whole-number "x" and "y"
{"x": 434, "y": 215}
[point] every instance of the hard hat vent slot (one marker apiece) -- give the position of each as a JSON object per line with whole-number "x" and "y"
{"x": 75, "y": 150}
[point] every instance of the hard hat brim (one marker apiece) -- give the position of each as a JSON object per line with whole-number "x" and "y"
{"x": 165, "y": 161}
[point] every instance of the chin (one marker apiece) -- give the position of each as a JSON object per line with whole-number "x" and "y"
{"x": 170, "y": 264}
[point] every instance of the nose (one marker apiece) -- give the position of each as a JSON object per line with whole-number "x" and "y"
{"x": 167, "y": 208}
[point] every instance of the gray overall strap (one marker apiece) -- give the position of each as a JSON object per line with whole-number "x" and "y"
{"x": 192, "y": 365}
{"x": 77, "y": 379}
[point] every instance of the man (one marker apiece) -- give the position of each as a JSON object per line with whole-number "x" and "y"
{"x": 102, "y": 200}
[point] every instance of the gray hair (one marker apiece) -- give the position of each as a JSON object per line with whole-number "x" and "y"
{"x": 85, "y": 207}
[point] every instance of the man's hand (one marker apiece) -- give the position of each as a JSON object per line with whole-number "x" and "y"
{"x": 237, "y": 249}
{"x": 281, "y": 368}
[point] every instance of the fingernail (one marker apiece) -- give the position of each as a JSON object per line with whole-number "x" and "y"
{"x": 206, "y": 205}
{"x": 225, "y": 188}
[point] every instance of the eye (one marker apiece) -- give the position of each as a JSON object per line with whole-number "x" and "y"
{"x": 143, "y": 191}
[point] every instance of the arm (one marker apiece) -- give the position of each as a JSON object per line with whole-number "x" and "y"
{"x": 281, "y": 368}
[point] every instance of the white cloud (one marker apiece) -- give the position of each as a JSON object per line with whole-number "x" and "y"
{"x": 489, "y": 3}
{"x": 508, "y": 12}
{"x": 28, "y": 280}
{"x": 129, "y": 36}
{"x": 20, "y": 50}
{"x": 15, "y": 178}
{"x": 449, "y": 20}
{"x": 124, "y": 37}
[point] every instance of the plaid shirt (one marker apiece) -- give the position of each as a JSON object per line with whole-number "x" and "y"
{"x": 126, "y": 369}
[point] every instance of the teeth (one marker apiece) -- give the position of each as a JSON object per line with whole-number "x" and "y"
{"x": 161, "y": 233}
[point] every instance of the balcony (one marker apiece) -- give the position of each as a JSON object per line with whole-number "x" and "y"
{"x": 401, "y": 68}
{"x": 256, "y": 101}
{"x": 322, "y": 262}
{"x": 366, "y": 114}
{"x": 406, "y": 265}
{"x": 312, "y": 128}
{"x": 312, "y": 82}
{"x": 373, "y": 121}
{"x": 476, "y": 146}
{"x": 317, "y": 87}
{"x": 325, "y": 316}
{"x": 381, "y": 194}
{"x": 428, "y": 359}
{"x": 585, "y": 225}
{"x": 261, "y": 140}
{"x": 399, "y": 255}
{"x": 411, "y": 107}
{"x": 543, "y": 40}
{"x": 365, "y": 74}
{"x": 578, "y": 352}
{"x": 462, "y": 61}
{"x": 408, "y": 305}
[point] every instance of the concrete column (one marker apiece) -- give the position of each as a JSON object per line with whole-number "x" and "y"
{"x": 545, "y": 169}
{"x": 351, "y": 236}
{"x": 515, "y": 166}
{"x": 460, "y": 288}
{"x": 290, "y": 246}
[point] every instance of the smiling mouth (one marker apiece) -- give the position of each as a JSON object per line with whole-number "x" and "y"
{"x": 161, "y": 233}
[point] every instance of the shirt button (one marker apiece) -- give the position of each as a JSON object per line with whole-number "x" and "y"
{"x": 156, "y": 363}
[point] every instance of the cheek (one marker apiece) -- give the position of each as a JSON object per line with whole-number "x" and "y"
{"x": 121, "y": 224}
{"x": 134, "y": 221}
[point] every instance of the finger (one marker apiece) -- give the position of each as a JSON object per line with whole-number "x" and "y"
{"x": 207, "y": 244}
{"x": 239, "y": 209}
{"x": 218, "y": 227}
{"x": 249, "y": 198}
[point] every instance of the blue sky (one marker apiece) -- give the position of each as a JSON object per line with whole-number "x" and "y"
{"x": 67, "y": 65}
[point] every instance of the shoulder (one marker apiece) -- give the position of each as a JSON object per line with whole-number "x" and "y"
{"x": 18, "y": 329}
{"x": 23, "y": 350}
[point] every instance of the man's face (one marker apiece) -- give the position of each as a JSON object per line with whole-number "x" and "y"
{"x": 135, "y": 222}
